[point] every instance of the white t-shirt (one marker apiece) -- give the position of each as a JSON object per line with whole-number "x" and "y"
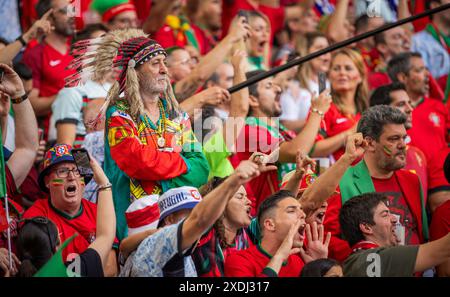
{"x": 296, "y": 101}
{"x": 69, "y": 103}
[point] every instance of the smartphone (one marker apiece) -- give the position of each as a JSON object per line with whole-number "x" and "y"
{"x": 82, "y": 160}
{"x": 41, "y": 134}
{"x": 322, "y": 82}
{"x": 243, "y": 13}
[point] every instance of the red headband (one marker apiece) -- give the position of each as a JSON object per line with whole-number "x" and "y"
{"x": 113, "y": 11}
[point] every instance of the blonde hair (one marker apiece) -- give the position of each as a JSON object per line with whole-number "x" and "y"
{"x": 362, "y": 90}
{"x": 303, "y": 45}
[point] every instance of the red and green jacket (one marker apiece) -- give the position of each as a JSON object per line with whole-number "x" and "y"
{"x": 357, "y": 181}
{"x": 136, "y": 166}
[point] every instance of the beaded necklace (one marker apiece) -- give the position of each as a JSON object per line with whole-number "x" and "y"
{"x": 160, "y": 131}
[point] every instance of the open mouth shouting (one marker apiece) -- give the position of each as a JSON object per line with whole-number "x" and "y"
{"x": 71, "y": 190}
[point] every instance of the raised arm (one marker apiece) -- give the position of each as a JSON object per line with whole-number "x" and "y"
{"x": 239, "y": 101}
{"x": 158, "y": 12}
{"x": 304, "y": 141}
{"x": 106, "y": 217}
{"x": 329, "y": 145}
{"x": 433, "y": 254}
{"x": 206, "y": 213}
{"x": 336, "y": 27}
{"x": 26, "y": 140}
{"x": 39, "y": 27}
{"x": 209, "y": 63}
{"x": 326, "y": 184}
{"x": 211, "y": 96}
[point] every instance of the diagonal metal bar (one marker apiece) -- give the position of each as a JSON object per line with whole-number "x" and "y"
{"x": 334, "y": 47}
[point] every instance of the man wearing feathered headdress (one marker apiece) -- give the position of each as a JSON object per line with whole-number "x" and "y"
{"x": 150, "y": 145}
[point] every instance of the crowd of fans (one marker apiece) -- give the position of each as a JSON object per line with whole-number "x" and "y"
{"x": 280, "y": 178}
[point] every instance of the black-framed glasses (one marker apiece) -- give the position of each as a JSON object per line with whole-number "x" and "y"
{"x": 64, "y": 172}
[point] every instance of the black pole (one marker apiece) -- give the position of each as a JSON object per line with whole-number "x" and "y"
{"x": 334, "y": 47}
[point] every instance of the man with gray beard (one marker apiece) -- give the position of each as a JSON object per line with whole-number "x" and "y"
{"x": 49, "y": 60}
{"x": 383, "y": 127}
{"x": 149, "y": 144}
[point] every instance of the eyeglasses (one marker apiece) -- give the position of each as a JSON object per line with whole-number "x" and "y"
{"x": 64, "y": 172}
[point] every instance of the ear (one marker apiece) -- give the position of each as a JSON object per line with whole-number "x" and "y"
{"x": 253, "y": 102}
{"x": 210, "y": 84}
{"x": 47, "y": 181}
{"x": 401, "y": 77}
{"x": 382, "y": 48}
{"x": 269, "y": 224}
{"x": 366, "y": 229}
{"x": 169, "y": 220}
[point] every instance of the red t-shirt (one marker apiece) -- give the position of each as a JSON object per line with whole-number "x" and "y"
{"x": 378, "y": 79}
{"x": 416, "y": 163}
{"x": 15, "y": 211}
{"x": 436, "y": 177}
{"x": 166, "y": 37}
{"x": 48, "y": 68}
{"x": 431, "y": 122}
{"x": 84, "y": 223}
{"x": 252, "y": 261}
{"x": 230, "y": 9}
{"x": 258, "y": 137}
{"x": 399, "y": 207}
{"x": 333, "y": 123}
{"x": 440, "y": 223}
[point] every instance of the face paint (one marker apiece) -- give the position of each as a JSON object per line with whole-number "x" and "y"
{"x": 57, "y": 182}
{"x": 387, "y": 151}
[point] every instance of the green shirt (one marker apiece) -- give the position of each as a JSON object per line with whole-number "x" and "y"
{"x": 216, "y": 152}
{"x": 382, "y": 262}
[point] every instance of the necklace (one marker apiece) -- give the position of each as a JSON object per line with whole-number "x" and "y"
{"x": 161, "y": 141}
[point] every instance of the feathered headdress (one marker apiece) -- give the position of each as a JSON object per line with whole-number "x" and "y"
{"x": 118, "y": 51}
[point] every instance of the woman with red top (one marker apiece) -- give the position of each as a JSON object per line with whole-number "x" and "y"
{"x": 348, "y": 81}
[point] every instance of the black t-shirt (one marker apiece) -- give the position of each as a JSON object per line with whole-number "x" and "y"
{"x": 90, "y": 264}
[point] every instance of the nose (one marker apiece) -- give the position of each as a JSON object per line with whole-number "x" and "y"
{"x": 302, "y": 215}
{"x": 163, "y": 69}
{"x": 277, "y": 88}
{"x": 393, "y": 219}
{"x": 409, "y": 107}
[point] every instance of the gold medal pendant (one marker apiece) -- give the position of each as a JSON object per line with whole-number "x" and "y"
{"x": 161, "y": 142}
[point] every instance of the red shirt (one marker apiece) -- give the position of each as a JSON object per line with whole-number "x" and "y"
{"x": 259, "y": 137}
{"x": 48, "y": 67}
{"x": 335, "y": 122}
{"x": 431, "y": 122}
{"x": 399, "y": 207}
{"x": 416, "y": 162}
{"x": 378, "y": 79}
{"x": 252, "y": 261}
{"x": 230, "y": 9}
{"x": 436, "y": 177}
{"x": 83, "y": 223}
{"x": 440, "y": 223}
{"x": 167, "y": 37}
{"x": 15, "y": 210}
